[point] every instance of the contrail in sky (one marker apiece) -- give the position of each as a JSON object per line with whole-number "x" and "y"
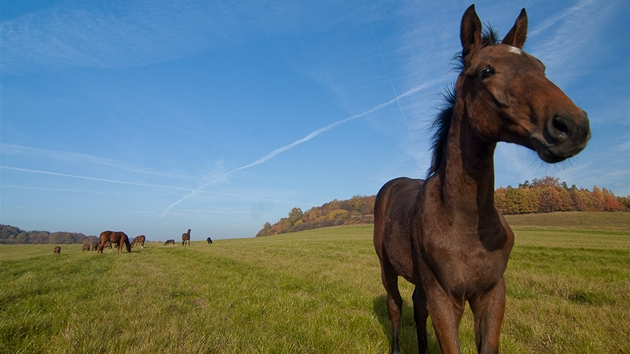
{"x": 308, "y": 137}
{"x": 316, "y": 132}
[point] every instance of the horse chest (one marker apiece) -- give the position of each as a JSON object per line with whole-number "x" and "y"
{"x": 465, "y": 268}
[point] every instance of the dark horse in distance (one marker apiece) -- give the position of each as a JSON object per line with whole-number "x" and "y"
{"x": 186, "y": 238}
{"x": 209, "y": 240}
{"x": 444, "y": 234}
{"x": 117, "y": 237}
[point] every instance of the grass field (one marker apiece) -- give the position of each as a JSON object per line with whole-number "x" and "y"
{"x": 318, "y": 291}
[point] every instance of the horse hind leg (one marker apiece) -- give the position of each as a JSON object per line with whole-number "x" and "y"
{"x": 420, "y": 315}
{"x": 394, "y": 306}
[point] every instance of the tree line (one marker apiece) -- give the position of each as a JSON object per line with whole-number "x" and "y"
{"x": 543, "y": 195}
{"x": 548, "y": 195}
{"x": 14, "y": 235}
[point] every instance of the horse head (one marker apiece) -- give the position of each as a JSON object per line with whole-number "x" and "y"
{"x": 507, "y": 96}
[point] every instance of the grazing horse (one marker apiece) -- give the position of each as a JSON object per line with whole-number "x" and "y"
{"x": 169, "y": 242}
{"x": 94, "y": 246}
{"x": 57, "y": 249}
{"x": 86, "y": 247}
{"x": 209, "y": 240}
{"x": 445, "y": 234}
{"x": 186, "y": 238}
{"x": 118, "y": 237}
{"x": 138, "y": 240}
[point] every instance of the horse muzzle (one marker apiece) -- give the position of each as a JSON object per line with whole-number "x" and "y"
{"x": 563, "y": 136}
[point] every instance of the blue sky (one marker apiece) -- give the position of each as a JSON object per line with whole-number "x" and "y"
{"x": 153, "y": 117}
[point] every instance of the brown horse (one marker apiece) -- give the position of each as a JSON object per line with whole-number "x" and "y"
{"x": 186, "y": 238}
{"x": 169, "y": 242}
{"x": 94, "y": 246}
{"x": 118, "y": 237}
{"x": 138, "y": 240}
{"x": 445, "y": 234}
{"x": 57, "y": 249}
{"x": 86, "y": 247}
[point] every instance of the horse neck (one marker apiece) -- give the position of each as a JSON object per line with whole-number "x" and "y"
{"x": 467, "y": 173}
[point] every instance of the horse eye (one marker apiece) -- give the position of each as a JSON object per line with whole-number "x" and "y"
{"x": 486, "y": 72}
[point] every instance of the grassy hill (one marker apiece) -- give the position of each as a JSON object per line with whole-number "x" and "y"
{"x": 316, "y": 291}
{"x": 572, "y": 221}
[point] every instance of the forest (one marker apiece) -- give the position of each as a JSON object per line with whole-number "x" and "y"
{"x": 543, "y": 195}
{"x": 14, "y": 235}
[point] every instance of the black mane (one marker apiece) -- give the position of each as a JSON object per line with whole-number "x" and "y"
{"x": 442, "y": 122}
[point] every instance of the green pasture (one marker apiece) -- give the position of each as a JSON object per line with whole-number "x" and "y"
{"x": 317, "y": 291}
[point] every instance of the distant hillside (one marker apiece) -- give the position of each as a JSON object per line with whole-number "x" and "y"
{"x": 357, "y": 210}
{"x": 544, "y": 195}
{"x": 13, "y": 235}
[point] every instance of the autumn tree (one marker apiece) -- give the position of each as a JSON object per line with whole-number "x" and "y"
{"x": 598, "y": 199}
{"x": 265, "y": 231}
{"x": 625, "y": 202}
{"x": 337, "y": 214}
{"x": 581, "y": 199}
{"x": 566, "y": 203}
{"x": 549, "y": 200}
{"x": 546, "y": 181}
{"x": 295, "y": 216}
{"x": 611, "y": 203}
{"x": 21, "y": 238}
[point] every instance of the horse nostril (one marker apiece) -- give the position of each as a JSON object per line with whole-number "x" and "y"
{"x": 558, "y": 128}
{"x": 560, "y": 125}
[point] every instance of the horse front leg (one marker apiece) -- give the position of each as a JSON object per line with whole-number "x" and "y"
{"x": 445, "y": 315}
{"x": 488, "y": 310}
{"x": 420, "y": 315}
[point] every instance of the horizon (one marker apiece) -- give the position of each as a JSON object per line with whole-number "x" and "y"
{"x": 154, "y": 117}
{"x": 320, "y": 206}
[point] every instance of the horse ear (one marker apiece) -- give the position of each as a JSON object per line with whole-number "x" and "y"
{"x": 470, "y": 32}
{"x": 517, "y": 35}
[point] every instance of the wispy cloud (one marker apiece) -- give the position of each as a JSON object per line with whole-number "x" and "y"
{"x": 118, "y": 36}
{"x": 137, "y": 33}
